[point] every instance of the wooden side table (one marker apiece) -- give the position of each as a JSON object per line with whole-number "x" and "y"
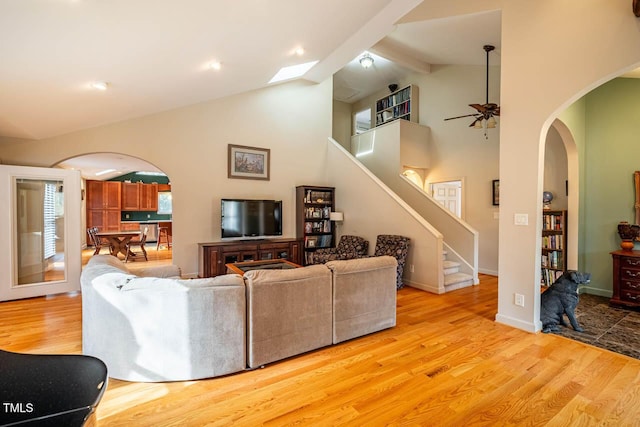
{"x": 626, "y": 279}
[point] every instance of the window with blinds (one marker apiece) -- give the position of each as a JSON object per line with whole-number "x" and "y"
{"x": 49, "y": 214}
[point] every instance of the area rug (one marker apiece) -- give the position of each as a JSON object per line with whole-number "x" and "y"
{"x": 614, "y": 329}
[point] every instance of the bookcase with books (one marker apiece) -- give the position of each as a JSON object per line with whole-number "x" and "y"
{"x": 554, "y": 239}
{"x": 401, "y": 104}
{"x": 313, "y": 209}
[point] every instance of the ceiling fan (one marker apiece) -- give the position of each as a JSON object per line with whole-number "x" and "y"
{"x": 486, "y": 111}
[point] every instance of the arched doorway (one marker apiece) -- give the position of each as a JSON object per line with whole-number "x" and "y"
{"x": 143, "y": 193}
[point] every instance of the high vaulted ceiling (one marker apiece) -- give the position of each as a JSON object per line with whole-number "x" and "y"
{"x": 155, "y": 55}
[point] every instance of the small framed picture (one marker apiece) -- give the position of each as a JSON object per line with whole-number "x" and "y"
{"x": 496, "y": 192}
{"x": 249, "y": 162}
{"x": 311, "y": 242}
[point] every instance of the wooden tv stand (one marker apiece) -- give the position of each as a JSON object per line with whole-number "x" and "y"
{"x": 213, "y": 257}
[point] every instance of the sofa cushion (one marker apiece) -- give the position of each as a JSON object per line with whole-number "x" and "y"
{"x": 364, "y": 296}
{"x": 288, "y": 312}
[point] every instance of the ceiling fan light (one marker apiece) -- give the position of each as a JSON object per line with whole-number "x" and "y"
{"x": 366, "y": 61}
{"x": 478, "y": 124}
{"x": 491, "y": 123}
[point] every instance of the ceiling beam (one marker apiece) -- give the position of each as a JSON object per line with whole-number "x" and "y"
{"x": 365, "y": 37}
{"x": 388, "y": 50}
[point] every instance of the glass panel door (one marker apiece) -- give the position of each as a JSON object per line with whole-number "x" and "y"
{"x": 40, "y": 231}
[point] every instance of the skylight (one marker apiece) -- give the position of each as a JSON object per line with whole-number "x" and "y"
{"x": 150, "y": 173}
{"x": 102, "y": 172}
{"x": 292, "y": 72}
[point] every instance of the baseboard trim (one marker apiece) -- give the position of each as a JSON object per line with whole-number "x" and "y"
{"x": 519, "y": 324}
{"x": 424, "y": 287}
{"x": 596, "y": 291}
{"x": 489, "y": 272}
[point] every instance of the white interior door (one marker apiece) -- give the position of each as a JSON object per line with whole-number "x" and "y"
{"x": 39, "y": 231}
{"x": 449, "y": 195}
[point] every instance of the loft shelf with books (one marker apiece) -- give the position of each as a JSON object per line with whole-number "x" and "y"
{"x": 554, "y": 253}
{"x": 401, "y": 104}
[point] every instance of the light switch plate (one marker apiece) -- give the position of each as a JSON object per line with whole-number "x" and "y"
{"x": 521, "y": 219}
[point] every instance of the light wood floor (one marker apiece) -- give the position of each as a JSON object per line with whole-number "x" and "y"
{"x": 446, "y": 363}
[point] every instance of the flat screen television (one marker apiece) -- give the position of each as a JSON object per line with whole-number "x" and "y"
{"x": 250, "y": 219}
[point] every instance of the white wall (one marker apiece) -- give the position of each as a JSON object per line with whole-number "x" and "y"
{"x": 456, "y": 151}
{"x": 555, "y": 170}
{"x": 342, "y": 128}
{"x": 552, "y": 53}
{"x": 370, "y": 210}
{"x": 190, "y": 145}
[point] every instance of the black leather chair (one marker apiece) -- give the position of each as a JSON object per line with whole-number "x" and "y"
{"x": 49, "y": 390}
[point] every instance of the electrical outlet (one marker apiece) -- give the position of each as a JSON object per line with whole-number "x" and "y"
{"x": 519, "y": 300}
{"x": 411, "y": 268}
{"x": 148, "y": 215}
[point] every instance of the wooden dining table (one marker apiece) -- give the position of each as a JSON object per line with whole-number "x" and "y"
{"x": 118, "y": 240}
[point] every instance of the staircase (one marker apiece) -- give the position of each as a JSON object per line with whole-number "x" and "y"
{"x": 453, "y": 278}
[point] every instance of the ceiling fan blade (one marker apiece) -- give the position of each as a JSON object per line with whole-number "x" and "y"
{"x": 459, "y": 117}
{"x": 473, "y": 124}
{"x": 496, "y": 112}
{"x": 481, "y": 108}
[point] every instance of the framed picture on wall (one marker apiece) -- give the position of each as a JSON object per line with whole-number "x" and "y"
{"x": 249, "y": 162}
{"x": 495, "y": 184}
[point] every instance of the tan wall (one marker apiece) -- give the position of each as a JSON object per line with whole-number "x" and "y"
{"x": 190, "y": 145}
{"x": 457, "y": 152}
{"x": 342, "y": 128}
{"x": 552, "y": 54}
{"x": 555, "y": 170}
{"x": 370, "y": 210}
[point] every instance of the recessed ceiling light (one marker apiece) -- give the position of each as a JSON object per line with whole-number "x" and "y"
{"x": 100, "y": 85}
{"x": 215, "y": 65}
{"x": 105, "y": 171}
{"x": 299, "y": 51}
{"x": 292, "y": 72}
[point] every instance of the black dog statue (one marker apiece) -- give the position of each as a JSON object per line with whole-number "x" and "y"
{"x": 562, "y": 298}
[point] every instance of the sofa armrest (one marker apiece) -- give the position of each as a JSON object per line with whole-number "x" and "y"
{"x": 158, "y": 271}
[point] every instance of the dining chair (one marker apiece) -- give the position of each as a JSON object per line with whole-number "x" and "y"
{"x": 97, "y": 241}
{"x": 140, "y": 243}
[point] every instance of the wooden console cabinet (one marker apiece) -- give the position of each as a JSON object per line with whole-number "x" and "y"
{"x": 626, "y": 279}
{"x": 212, "y": 257}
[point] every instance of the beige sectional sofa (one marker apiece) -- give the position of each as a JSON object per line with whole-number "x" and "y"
{"x": 162, "y": 328}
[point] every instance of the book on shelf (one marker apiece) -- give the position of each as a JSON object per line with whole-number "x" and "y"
{"x": 553, "y": 259}
{"x": 552, "y": 222}
{"x": 549, "y": 276}
{"x": 553, "y": 242}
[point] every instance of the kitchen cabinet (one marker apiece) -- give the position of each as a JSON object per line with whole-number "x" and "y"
{"x": 130, "y": 196}
{"x": 103, "y": 194}
{"x": 137, "y": 196}
{"x": 149, "y": 197}
{"x": 103, "y": 205}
